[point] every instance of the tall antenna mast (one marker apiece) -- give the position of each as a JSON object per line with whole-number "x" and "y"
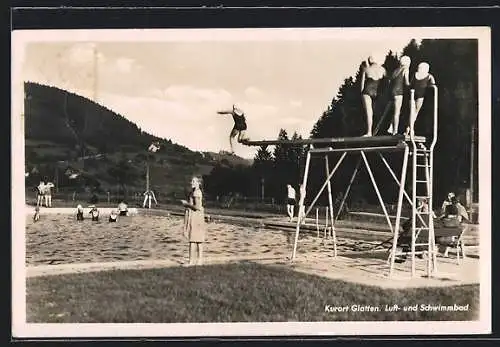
{"x": 95, "y": 73}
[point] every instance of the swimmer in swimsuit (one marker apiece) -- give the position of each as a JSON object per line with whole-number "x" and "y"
{"x": 399, "y": 80}
{"x": 79, "y": 213}
{"x": 94, "y": 213}
{"x": 240, "y": 126}
{"x": 421, "y": 81}
{"x": 113, "y": 216}
{"x": 370, "y": 78}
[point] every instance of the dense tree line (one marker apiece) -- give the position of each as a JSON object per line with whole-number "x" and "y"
{"x": 454, "y": 65}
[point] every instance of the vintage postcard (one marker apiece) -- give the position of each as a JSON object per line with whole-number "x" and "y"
{"x": 251, "y": 182}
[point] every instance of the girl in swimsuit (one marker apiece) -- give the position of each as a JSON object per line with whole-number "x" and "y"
{"x": 399, "y": 80}
{"x": 370, "y": 78}
{"x": 422, "y": 80}
{"x": 239, "y": 128}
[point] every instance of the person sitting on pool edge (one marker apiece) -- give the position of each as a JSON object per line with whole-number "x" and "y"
{"x": 94, "y": 213}
{"x": 113, "y": 216}
{"x": 79, "y": 213}
{"x": 123, "y": 208}
{"x": 239, "y": 128}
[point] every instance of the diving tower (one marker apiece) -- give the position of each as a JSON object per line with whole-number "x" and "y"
{"x": 418, "y": 153}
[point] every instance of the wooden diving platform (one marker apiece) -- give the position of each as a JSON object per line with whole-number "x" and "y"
{"x": 360, "y": 140}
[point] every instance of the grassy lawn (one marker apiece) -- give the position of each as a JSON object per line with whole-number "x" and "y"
{"x": 242, "y": 292}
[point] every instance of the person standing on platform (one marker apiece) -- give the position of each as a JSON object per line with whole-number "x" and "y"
{"x": 371, "y": 76}
{"x": 290, "y": 201}
{"x": 400, "y": 80}
{"x": 195, "y": 227}
{"x": 421, "y": 81}
{"x": 239, "y": 128}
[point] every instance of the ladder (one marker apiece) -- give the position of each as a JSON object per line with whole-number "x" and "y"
{"x": 422, "y": 234}
{"x": 422, "y": 213}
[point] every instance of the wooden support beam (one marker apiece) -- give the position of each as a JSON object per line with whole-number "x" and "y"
{"x": 368, "y": 140}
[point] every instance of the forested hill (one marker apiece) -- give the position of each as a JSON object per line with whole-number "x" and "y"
{"x": 59, "y": 116}
{"x": 68, "y": 133}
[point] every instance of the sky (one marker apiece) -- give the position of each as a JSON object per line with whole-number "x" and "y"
{"x": 172, "y": 85}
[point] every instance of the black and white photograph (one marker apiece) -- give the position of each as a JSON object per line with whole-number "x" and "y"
{"x": 244, "y": 182}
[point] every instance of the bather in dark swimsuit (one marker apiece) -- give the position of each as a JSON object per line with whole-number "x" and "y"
{"x": 370, "y": 87}
{"x": 239, "y": 122}
{"x": 397, "y": 82}
{"x": 420, "y": 86}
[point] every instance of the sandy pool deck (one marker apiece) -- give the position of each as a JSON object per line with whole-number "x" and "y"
{"x": 57, "y": 244}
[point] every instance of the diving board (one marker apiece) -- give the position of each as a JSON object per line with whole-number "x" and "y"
{"x": 359, "y": 140}
{"x": 417, "y": 148}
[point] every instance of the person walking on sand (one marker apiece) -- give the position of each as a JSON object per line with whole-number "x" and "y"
{"x": 290, "y": 201}
{"x": 195, "y": 228}
{"x": 239, "y": 128}
{"x": 371, "y": 76}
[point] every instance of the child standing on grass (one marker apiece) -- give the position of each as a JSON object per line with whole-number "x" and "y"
{"x": 195, "y": 228}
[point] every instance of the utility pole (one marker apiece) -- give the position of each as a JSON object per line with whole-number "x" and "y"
{"x": 95, "y": 73}
{"x": 472, "y": 158}
{"x": 147, "y": 175}
{"x": 262, "y": 188}
{"x": 56, "y": 176}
